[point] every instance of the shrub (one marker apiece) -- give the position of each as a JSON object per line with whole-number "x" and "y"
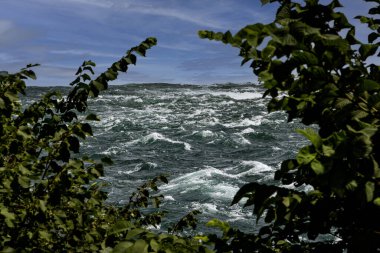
{"x": 51, "y": 198}
{"x": 316, "y": 70}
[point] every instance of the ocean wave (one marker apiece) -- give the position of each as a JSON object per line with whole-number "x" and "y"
{"x": 211, "y": 140}
{"x": 154, "y": 137}
{"x": 254, "y": 121}
{"x": 204, "y": 133}
{"x": 248, "y": 131}
{"x": 215, "y": 182}
{"x": 238, "y": 95}
{"x": 139, "y": 167}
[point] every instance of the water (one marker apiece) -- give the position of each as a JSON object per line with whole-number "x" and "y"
{"x": 208, "y": 140}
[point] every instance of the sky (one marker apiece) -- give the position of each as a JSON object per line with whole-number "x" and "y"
{"x": 61, "y": 34}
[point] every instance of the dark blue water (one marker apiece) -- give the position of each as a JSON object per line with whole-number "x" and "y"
{"x": 208, "y": 140}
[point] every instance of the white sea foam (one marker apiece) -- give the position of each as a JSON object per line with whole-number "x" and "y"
{"x": 138, "y": 167}
{"x": 248, "y": 130}
{"x": 224, "y": 191}
{"x": 236, "y": 212}
{"x": 205, "y": 207}
{"x": 195, "y": 178}
{"x": 208, "y": 181}
{"x": 207, "y": 133}
{"x": 206, "y": 121}
{"x": 152, "y": 137}
{"x": 237, "y": 95}
{"x": 112, "y": 150}
{"x": 254, "y": 121}
{"x": 187, "y": 146}
{"x": 256, "y": 167}
{"x": 204, "y": 133}
{"x": 206, "y": 111}
{"x": 240, "y": 139}
{"x": 227, "y": 102}
{"x": 169, "y": 198}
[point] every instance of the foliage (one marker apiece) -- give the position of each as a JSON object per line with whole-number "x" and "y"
{"x": 316, "y": 70}
{"x": 51, "y": 199}
{"x": 326, "y": 200}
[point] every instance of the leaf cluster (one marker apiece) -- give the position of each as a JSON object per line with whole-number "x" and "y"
{"x": 316, "y": 70}
{"x": 51, "y": 198}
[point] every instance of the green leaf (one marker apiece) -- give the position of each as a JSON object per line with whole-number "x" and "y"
{"x": 286, "y": 201}
{"x": 328, "y": 150}
{"x": 131, "y": 59}
{"x": 376, "y": 168}
{"x": 352, "y": 185}
{"x": 92, "y": 116}
{"x": 284, "y": 12}
{"x": 107, "y": 160}
{"x": 222, "y": 225}
{"x": 88, "y": 63}
{"x": 304, "y": 156}
{"x": 122, "y": 247}
{"x": 78, "y": 71}
{"x": 302, "y": 28}
{"x": 369, "y": 85}
{"x": 373, "y": 36}
{"x": 367, "y": 50}
{"x": 317, "y": 167}
{"x": 369, "y": 190}
{"x": 265, "y": 76}
{"x": 285, "y": 40}
{"x": 375, "y": 10}
{"x": 311, "y": 135}
{"x": 24, "y": 181}
{"x": 303, "y": 57}
{"x": 119, "y": 227}
{"x": 74, "y": 144}
{"x": 44, "y": 235}
{"x": 154, "y": 245}
{"x": 9, "y": 217}
{"x": 377, "y": 202}
{"x": 30, "y": 74}
{"x": 42, "y": 204}
{"x": 87, "y": 129}
{"x": 268, "y": 52}
{"x": 9, "y": 250}
{"x": 140, "y": 246}
{"x": 342, "y": 102}
{"x": 2, "y": 104}
{"x": 88, "y": 68}
{"x": 134, "y": 232}
{"x": 163, "y": 179}
{"x": 99, "y": 85}
{"x": 110, "y": 75}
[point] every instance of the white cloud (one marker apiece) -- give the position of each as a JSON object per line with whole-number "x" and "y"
{"x": 5, "y": 26}
{"x": 148, "y": 8}
{"x": 191, "y": 16}
{"x": 96, "y": 3}
{"x": 11, "y": 33}
{"x": 4, "y": 57}
{"x": 84, "y": 53}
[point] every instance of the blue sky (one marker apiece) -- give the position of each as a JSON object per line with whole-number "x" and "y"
{"x": 61, "y": 34}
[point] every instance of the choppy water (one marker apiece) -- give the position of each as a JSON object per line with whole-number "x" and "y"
{"x": 208, "y": 140}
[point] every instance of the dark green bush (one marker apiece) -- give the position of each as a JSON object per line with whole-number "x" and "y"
{"x": 50, "y": 198}
{"x": 316, "y": 70}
